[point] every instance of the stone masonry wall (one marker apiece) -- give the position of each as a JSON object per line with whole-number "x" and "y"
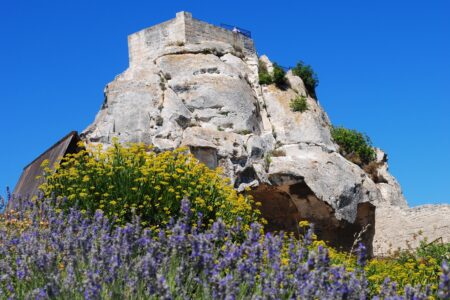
{"x": 143, "y": 44}
{"x": 183, "y": 29}
{"x": 198, "y": 31}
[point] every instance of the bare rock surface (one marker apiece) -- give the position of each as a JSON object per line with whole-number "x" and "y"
{"x": 192, "y": 84}
{"x": 389, "y": 187}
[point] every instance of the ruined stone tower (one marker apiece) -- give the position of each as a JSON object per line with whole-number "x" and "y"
{"x": 183, "y": 29}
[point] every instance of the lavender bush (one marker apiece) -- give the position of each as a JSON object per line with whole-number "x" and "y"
{"x": 46, "y": 253}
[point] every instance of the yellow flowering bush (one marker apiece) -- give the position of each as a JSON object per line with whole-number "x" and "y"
{"x": 412, "y": 272}
{"x": 121, "y": 180}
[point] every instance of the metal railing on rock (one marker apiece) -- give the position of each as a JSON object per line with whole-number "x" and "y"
{"x": 239, "y": 30}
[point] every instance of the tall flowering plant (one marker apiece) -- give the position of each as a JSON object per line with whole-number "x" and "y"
{"x": 123, "y": 179}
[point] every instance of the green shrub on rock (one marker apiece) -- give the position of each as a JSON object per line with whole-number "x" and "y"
{"x": 354, "y": 145}
{"x": 264, "y": 76}
{"x": 299, "y": 104}
{"x": 307, "y": 74}
{"x": 279, "y": 75}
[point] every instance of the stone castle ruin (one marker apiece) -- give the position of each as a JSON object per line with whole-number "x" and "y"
{"x": 184, "y": 29}
{"x": 190, "y": 83}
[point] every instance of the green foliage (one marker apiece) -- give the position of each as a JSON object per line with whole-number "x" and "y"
{"x": 120, "y": 180}
{"x": 437, "y": 250}
{"x": 278, "y": 75}
{"x": 299, "y": 104}
{"x": 307, "y": 74}
{"x": 353, "y": 145}
{"x": 264, "y": 76}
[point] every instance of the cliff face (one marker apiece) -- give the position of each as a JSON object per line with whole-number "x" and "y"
{"x": 203, "y": 93}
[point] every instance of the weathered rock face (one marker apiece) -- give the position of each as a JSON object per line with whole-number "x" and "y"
{"x": 389, "y": 187}
{"x": 193, "y": 84}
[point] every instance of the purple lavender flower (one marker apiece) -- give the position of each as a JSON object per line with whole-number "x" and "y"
{"x": 74, "y": 256}
{"x": 361, "y": 255}
{"x": 444, "y": 286}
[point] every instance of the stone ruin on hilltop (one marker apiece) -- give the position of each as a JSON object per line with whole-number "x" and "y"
{"x": 190, "y": 83}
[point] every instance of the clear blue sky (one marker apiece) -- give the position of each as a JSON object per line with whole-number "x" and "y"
{"x": 384, "y": 69}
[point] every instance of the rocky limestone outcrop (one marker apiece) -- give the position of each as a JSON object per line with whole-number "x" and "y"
{"x": 205, "y": 95}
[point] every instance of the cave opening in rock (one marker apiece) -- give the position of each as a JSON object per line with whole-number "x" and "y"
{"x": 284, "y": 206}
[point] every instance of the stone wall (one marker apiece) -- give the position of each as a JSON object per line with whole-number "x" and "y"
{"x": 181, "y": 30}
{"x": 143, "y": 44}
{"x": 198, "y": 31}
{"x": 404, "y": 228}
